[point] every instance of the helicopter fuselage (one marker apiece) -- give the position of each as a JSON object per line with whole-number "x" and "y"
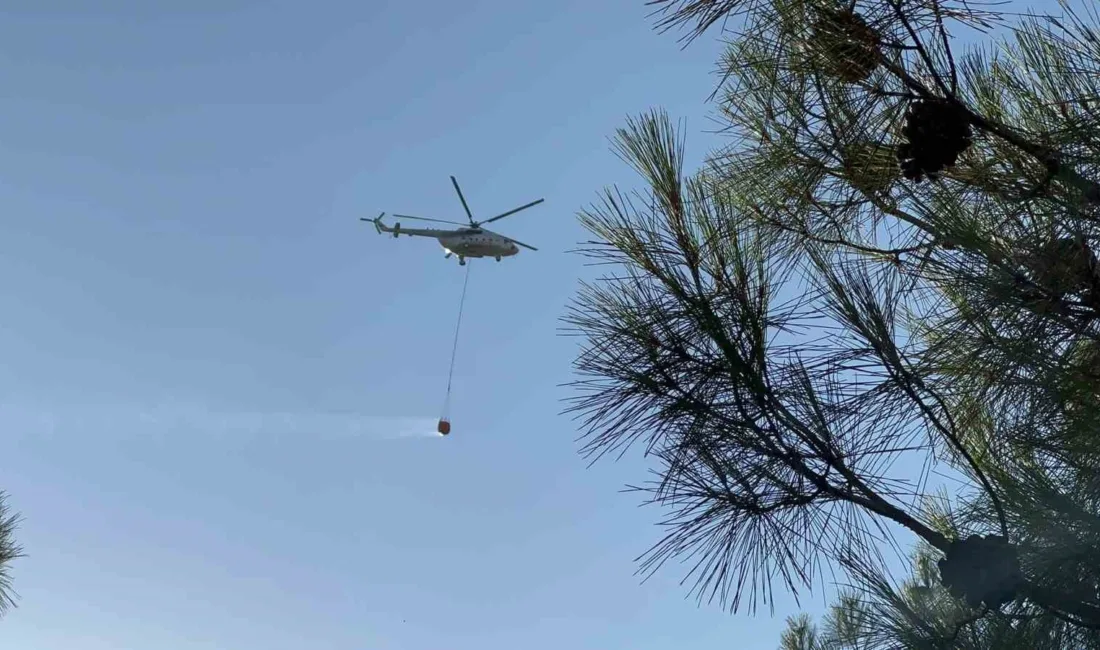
{"x": 463, "y": 242}
{"x": 476, "y": 242}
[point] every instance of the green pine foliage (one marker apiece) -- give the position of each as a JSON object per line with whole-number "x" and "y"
{"x": 892, "y": 262}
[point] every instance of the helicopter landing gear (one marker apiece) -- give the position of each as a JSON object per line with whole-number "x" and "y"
{"x": 461, "y": 261}
{"x": 498, "y": 258}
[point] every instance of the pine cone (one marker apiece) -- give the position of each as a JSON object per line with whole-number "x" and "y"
{"x": 870, "y": 167}
{"x": 981, "y": 569}
{"x": 845, "y": 45}
{"x": 1065, "y": 265}
{"x": 936, "y": 132}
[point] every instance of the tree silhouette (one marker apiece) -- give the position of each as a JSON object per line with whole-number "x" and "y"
{"x": 10, "y": 550}
{"x": 891, "y": 265}
{"x": 920, "y": 614}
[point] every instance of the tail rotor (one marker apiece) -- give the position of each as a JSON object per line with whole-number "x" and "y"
{"x": 377, "y": 221}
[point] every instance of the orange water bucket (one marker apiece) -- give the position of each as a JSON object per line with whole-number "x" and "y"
{"x": 444, "y": 427}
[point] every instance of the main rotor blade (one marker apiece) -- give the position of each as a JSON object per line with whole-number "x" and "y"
{"x": 407, "y": 216}
{"x": 463, "y": 199}
{"x": 514, "y": 241}
{"x": 511, "y": 212}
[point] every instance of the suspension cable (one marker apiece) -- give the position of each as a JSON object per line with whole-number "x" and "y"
{"x": 454, "y": 346}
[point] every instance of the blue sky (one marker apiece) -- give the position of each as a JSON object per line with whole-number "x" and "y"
{"x": 209, "y": 361}
{"x": 200, "y": 338}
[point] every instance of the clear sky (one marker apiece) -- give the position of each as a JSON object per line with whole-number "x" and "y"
{"x": 210, "y": 365}
{"x": 200, "y": 339}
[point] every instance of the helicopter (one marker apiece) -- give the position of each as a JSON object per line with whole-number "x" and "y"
{"x": 469, "y": 240}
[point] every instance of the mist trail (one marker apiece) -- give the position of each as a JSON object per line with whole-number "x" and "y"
{"x": 199, "y": 422}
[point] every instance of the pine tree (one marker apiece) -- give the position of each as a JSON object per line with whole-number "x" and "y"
{"x": 892, "y": 260}
{"x": 921, "y": 614}
{"x": 10, "y": 550}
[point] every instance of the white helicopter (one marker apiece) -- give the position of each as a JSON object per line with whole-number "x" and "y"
{"x": 468, "y": 241}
